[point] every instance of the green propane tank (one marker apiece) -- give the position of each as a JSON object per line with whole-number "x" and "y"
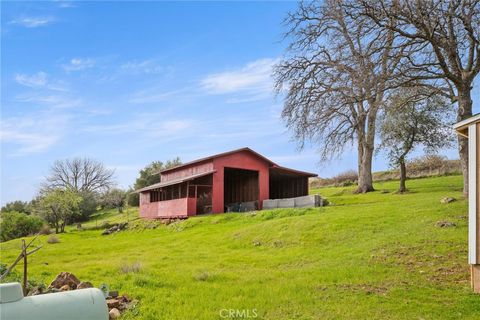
{"x": 82, "y": 304}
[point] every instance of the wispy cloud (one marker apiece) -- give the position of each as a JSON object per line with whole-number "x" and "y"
{"x": 33, "y": 22}
{"x": 252, "y": 80}
{"x": 77, "y": 64}
{"x": 57, "y": 101}
{"x": 38, "y": 80}
{"x": 148, "y": 66}
{"x": 34, "y": 133}
{"x": 65, "y": 4}
{"x": 148, "y": 124}
{"x": 152, "y": 96}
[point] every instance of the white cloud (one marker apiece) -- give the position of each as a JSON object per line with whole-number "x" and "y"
{"x": 65, "y": 4}
{"x": 53, "y": 101}
{"x": 253, "y": 80}
{"x": 175, "y": 125}
{"x": 148, "y": 66}
{"x": 149, "y": 124}
{"x": 34, "y": 81}
{"x": 77, "y": 64}
{"x": 33, "y": 134}
{"x": 38, "y": 80}
{"x": 33, "y": 22}
{"x": 151, "y": 96}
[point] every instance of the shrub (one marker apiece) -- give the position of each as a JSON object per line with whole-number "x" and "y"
{"x": 202, "y": 276}
{"x": 45, "y": 229}
{"x": 343, "y": 179}
{"x": 347, "y": 177}
{"x": 53, "y": 239}
{"x": 432, "y": 165}
{"x": 87, "y": 206}
{"x": 18, "y": 206}
{"x": 16, "y": 224}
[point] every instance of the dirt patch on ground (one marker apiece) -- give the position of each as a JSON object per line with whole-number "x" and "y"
{"x": 424, "y": 259}
{"x": 365, "y": 288}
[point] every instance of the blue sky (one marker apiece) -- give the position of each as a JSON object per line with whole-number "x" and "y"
{"x": 127, "y": 83}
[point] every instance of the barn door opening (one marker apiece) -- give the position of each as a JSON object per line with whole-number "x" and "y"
{"x": 241, "y": 190}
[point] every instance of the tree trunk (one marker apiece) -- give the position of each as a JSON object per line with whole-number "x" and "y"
{"x": 365, "y": 154}
{"x": 403, "y": 175}
{"x": 464, "y": 112}
{"x": 365, "y": 180}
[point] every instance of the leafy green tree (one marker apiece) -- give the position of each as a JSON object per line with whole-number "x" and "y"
{"x": 59, "y": 207}
{"x": 88, "y": 177}
{"x": 149, "y": 175}
{"x": 15, "y": 224}
{"x": 414, "y": 118}
{"x": 114, "y": 198}
{"x": 17, "y": 206}
{"x": 86, "y": 207}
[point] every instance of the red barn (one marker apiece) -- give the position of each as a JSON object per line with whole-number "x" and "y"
{"x": 220, "y": 183}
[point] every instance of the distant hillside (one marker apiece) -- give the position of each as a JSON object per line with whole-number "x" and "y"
{"x": 426, "y": 166}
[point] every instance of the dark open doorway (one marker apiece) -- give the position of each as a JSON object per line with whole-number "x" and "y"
{"x": 240, "y": 189}
{"x": 284, "y": 184}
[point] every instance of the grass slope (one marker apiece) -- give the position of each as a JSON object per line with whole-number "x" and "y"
{"x": 373, "y": 256}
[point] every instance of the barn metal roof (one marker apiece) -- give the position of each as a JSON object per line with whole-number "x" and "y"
{"x": 293, "y": 171}
{"x": 217, "y": 156}
{"x": 273, "y": 165}
{"x": 175, "y": 181}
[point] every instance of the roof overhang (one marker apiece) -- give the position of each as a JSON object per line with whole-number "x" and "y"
{"x": 462, "y": 126}
{"x": 175, "y": 181}
{"x": 293, "y": 171}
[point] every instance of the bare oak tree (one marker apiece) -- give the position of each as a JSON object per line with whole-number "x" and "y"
{"x": 415, "y": 117}
{"x": 80, "y": 174}
{"x": 446, "y": 34}
{"x": 337, "y": 71}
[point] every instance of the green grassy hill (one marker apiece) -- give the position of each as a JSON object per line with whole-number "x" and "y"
{"x": 374, "y": 256}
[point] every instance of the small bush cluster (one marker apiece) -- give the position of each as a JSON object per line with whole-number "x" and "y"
{"x": 45, "y": 229}
{"x": 343, "y": 179}
{"x": 16, "y": 224}
{"x": 202, "y": 276}
{"x": 53, "y": 239}
{"x": 432, "y": 165}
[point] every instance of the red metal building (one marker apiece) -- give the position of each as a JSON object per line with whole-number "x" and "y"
{"x": 220, "y": 183}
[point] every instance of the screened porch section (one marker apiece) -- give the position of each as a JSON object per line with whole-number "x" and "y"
{"x": 180, "y": 200}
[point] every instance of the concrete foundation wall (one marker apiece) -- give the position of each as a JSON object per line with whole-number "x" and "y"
{"x": 309, "y": 201}
{"x": 286, "y": 203}
{"x": 270, "y": 204}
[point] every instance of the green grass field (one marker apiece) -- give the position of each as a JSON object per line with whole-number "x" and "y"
{"x": 373, "y": 256}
